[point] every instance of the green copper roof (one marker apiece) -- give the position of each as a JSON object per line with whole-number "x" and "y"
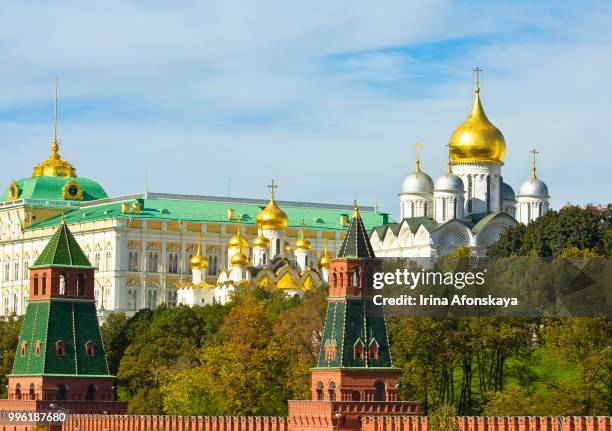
{"x": 356, "y": 242}
{"x": 62, "y": 250}
{"x": 186, "y": 210}
{"x": 73, "y": 323}
{"x": 52, "y": 188}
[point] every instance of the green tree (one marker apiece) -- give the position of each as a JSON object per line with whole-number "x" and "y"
{"x": 9, "y": 338}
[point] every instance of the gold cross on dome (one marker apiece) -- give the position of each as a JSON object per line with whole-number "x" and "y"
{"x": 534, "y": 152}
{"x": 417, "y": 149}
{"x": 477, "y": 71}
{"x": 272, "y": 186}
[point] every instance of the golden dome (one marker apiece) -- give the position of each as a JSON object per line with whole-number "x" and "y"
{"x": 238, "y": 241}
{"x": 325, "y": 260}
{"x": 287, "y": 247}
{"x": 54, "y": 166}
{"x": 477, "y": 139}
{"x": 272, "y": 217}
{"x": 198, "y": 261}
{"x": 239, "y": 259}
{"x": 302, "y": 243}
{"x": 261, "y": 241}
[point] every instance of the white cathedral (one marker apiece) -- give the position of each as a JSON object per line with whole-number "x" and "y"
{"x": 468, "y": 206}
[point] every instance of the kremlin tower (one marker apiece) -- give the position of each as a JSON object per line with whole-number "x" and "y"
{"x": 354, "y": 376}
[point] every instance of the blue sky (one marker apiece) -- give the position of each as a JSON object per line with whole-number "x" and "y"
{"x": 326, "y": 97}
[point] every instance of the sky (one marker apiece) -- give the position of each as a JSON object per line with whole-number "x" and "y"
{"x": 326, "y": 97}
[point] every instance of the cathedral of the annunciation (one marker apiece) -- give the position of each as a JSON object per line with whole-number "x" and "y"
{"x": 153, "y": 248}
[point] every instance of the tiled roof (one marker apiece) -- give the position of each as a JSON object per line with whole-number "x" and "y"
{"x": 204, "y": 211}
{"x": 51, "y": 188}
{"x": 62, "y": 250}
{"x": 356, "y": 243}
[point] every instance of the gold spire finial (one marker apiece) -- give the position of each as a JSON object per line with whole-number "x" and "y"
{"x": 417, "y": 149}
{"x": 303, "y": 224}
{"x": 477, "y": 71}
{"x": 238, "y": 221}
{"x": 272, "y": 186}
{"x": 533, "y": 165}
{"x": 355, "y": 209}
{"x": 199, "y": 243}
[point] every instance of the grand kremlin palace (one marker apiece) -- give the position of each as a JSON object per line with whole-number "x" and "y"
{"x": 155, "y": 248}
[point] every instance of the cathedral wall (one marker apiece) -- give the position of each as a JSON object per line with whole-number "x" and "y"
{"x": 482, "y": 183}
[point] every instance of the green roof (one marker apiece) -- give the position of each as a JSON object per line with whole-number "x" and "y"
{"x": 52, "y": 188}
{"x": 209, "y": 211}
{"x": 74, "y": 323}
{"x": 62, "y": 250}
{"x": 484, "y": 221}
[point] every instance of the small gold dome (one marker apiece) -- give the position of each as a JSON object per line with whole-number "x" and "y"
{"x": 325, "y": 259}
{"x": 198, "y": 260}
{"x": 287, "y": 247}
{"x": 54, "y": 166}
{"x": 477, "y": 139}
{"x": 239, "y": 259}
{"x": 302, "y": 244}
{"x": 238, "y": 241}
{"x": 261, "y": 241}
{"x": 272, "y": 217}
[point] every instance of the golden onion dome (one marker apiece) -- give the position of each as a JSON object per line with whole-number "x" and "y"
{"x": 287, "y": 247}
{"x": 261, "y": 241}
{"x": 239, "y": 259}
{"x": 204, "y": 263}
{"x": 238, "y": 241}
{"x": 272, "y": 217}
{"x": 54, "y": 166}
{"x": 325, "y": 259}
{"x": 197, "y": 260}
{"x": 302, "y": 244}
{"x": 477, "y": 139}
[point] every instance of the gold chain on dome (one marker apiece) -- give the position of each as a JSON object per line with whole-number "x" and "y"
{"x": 55, "y": 166}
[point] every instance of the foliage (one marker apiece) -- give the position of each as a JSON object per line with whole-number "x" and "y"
{"x": 9, "y": 338}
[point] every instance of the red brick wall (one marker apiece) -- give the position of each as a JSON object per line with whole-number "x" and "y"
{"x": 480, "y": 423}
{"x": 380, "y": 423}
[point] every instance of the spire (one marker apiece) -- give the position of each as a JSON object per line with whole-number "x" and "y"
{"x": 55, "y": 144}
{"x": 534, "y": 152}
{"x": 450, "y": 166}
{"x": 356, "y": 242}
{"x": 477, "y": 71}
{"x": 62, "y": 250}
{"x": 355, "y": 209}
{"x": 272, "y": 186}
{"x": 417, "y": 148}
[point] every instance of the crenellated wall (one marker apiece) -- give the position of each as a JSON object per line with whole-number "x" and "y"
{"x": 490, "y": 423}
{"x": 370, "y": 423}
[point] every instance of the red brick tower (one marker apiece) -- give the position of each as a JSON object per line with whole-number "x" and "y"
{"x": 354, "y": 376}
{"x": 60, "y": 362}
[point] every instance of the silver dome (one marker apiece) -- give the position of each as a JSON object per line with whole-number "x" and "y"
{"x": 507, "y": 193}
{"x": 417, "y": 182}
{"x": 534, "y": 188}
{"x": 449, "y": 182}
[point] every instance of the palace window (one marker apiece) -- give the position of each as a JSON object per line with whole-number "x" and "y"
{"x": 7, "y": 271}
{"x": 16, "y": 303}
{"x": 60, "y": 348}
{"x": 97, "y": 260}
{"x": 133, "y": 261}
{"x": 153, "y": 262}
{"x": 26, "y": 271}
{"x": 107, "y": 261}
{"x": 16, "y": 271}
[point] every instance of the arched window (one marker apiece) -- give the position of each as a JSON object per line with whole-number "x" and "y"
{"x": 18, "y": 391}
{"x": 35, "y": 290}
{"x": 379, "y": 391}
{"x": 130, "y": 261}
{"x": 63, "y": 283}
{"x": 24, "y": 347}
{"x": 320, "y": 391}
{"x": 37, "y": 347}
{"x": 411, "y": 209}
{"x": 32, "y": 391}
{"x": 278, "y": 246}
{"x": 341, "y": 279}
{"x": 60, "y": 394}
{"x": 331, "y": 389}
{"x": 355, "y": 396}
{"x": 80, "y": 284}
{"x": 44, "y": 284}
{"x": 358, "y": 350}
{"x": 91, "y": 393}
{"x": 373, "y": 350}
{"x": 356, "y": 278}
{"x": 334, "y": 279}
